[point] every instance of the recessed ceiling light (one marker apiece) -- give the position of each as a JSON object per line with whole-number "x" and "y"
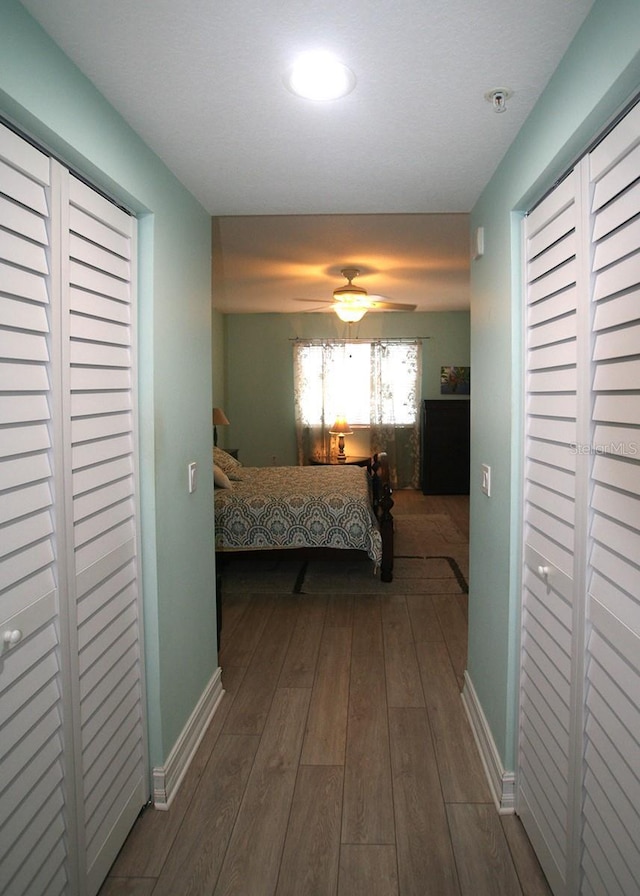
{"x": 318, "y": 75}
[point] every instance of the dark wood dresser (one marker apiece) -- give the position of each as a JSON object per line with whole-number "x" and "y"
{"x": 445, "y": 447}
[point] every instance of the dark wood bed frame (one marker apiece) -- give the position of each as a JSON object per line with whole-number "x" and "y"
{"x": 378, "y": 468}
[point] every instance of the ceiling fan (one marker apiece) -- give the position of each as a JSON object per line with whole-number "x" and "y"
{"x": 351, "y": 303}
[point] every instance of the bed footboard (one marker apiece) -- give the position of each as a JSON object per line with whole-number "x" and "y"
{"x": 382, "y": 504}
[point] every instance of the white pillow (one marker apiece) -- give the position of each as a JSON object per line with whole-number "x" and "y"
{"x": 220, "y": 478}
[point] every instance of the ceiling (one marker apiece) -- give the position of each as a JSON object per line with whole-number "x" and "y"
{"x": 415, "y": 142}
{"x": 420, "y": 259}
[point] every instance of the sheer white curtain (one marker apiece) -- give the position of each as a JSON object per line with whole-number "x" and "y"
{"x": 396, "y": 384}
{"x": 316, "y": 404}
{"x": 375, "y": 384}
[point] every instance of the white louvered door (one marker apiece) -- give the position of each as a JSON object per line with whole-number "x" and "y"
{"x": 547, "y": 701}
{"x": 72, "y": 732}
{"x": 98, "y": 326}
{"x": 611, "y": 805}
{"x": 579, "y": 738}
{"x": 34, "y": 768}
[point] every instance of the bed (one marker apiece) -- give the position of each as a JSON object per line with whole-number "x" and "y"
{"x": 336, "y": 506}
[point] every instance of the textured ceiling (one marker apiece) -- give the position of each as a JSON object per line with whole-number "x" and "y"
{"x": 272, "y": 263}
{"x": 201, "y": 82}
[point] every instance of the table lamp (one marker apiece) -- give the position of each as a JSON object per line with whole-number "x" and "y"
{"x": 219, "y": 419}
{"x": 341, "y": 428}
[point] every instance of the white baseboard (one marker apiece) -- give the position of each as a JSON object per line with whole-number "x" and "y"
{"x": 501, "y": 782}
{"x": 167, "y": 778}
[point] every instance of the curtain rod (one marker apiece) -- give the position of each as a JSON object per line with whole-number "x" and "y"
{"x": 320, "y": 340}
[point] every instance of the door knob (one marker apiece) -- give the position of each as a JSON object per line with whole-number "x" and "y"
{"x": 11, "y": 637}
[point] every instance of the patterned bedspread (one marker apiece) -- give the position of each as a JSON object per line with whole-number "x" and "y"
{"x": 295, "y": 507}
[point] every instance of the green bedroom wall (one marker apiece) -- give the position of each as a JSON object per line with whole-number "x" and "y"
{"x": 217, "y": 332}
{"x": 259, "y": 370}
{"x": 596, "y": 78}
{"x": 46, "y": 96}
{"x": 217, "y": 360}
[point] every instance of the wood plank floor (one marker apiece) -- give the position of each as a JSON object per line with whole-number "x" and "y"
{"x": 340, "y": 762}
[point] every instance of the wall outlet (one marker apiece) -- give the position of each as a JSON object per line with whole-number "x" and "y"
{"x": 486, "y": 479}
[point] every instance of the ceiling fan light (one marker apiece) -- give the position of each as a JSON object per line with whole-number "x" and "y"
{"x": 349, "y": 312}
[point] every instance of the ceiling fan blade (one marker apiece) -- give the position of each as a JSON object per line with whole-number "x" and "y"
{"x": 375, "y": 305}
{"x": 317, "y": 302}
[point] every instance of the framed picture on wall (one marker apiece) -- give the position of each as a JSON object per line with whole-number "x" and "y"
{"x": 455, "y": 380}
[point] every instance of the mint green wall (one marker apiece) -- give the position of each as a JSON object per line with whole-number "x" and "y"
{"x": 259, "y": 369}
{"x": 597, "y": 76}
{"x": 217, "y": 370}
{"x": 45, "y": 95}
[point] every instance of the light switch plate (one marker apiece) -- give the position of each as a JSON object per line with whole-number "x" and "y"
{"x": 477, "y": 246}
{"x": 486, "y": 480}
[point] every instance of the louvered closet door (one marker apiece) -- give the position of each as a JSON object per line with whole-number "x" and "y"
{"x": 579, "y": 758}
{"x": 34, "y": 842}
{"x": 72, "y": 746}
{"x": 611, "y": 851}
{"x": 100, "y": 318}
{"x": 551, "y": 435}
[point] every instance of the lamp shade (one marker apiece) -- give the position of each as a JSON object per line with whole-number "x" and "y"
{"x": 341, "y": 427}
{"x": 219, "y": 417}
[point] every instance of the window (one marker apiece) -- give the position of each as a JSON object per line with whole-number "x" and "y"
{"x": 375, "y": 384}
{"x": 366, "y": 382}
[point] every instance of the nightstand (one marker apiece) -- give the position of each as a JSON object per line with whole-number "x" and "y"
{"x": 352, "y": 460}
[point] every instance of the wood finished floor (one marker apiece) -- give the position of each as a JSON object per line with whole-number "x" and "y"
{"x": 340, "y": 761}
